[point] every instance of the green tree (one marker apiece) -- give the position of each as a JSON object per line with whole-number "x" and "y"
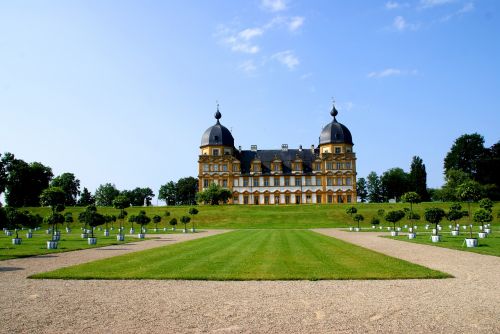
{"x": 173, "y": 222}
{"x": 358, "y": 218}
{"x": 121, "y": 203}
{"x": 418, "y": 178}
{"x": 486, "y": 204}
{"x": 16, "y": 219}
{"x": 465, "y": 154}
{"x": 412, "y": 198}
{"x": 434, "y": 216}
{"x": 193, "y": 212}
{"x": 187, "y": 187}
{"x": 105, "y": 194}
{"x": 86, "y": 198}
{"x": 142, "y": 219}
{"x": 469, "y": 191}
{"x": 156, "y": 220}
{"x": 361, "y": 190}
{"x": 168, "y": 193}
{"x": 70, "y": 185}
{"x": 139, "y": 196}
{"x": 132, "y": 219}
{"x": 374, "y": 187}
{"x": 85, "y": 217}
{"x": 68, "y": 218}
{"x": 95, "y": 220}
{"x": 214, "y": 195}
{"x": 394, "y": 217}
{"x": 395, "y": 182}
{"x": 109, "y": 219}
{"x": 55, "y": 198}
{"x": 33, "y": 221}
{"x": 185, "y": 220}
{"x": 482, "y": 216}
{"x": 54, "y": 219}
{"x": 351, "y": 210}
{"x": 3, "y": 174}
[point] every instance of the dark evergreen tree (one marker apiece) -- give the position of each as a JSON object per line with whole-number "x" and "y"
{"x": 187, "y": 187}
{"x": 361, "y": 190}
{"x": 395, "y": 182}
{"x": 71, "y": 186}
{"x": 465, "y": 154}
{"x": 86, "y": 198}
{"x": 418, "y": 178}
{"x": 374, "y": 188}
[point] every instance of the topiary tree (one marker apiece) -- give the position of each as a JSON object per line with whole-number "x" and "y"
{"x": 351, "y": 210}
{"x": 132, "y": 219}
{"x": 469, "y": 191}
{"x": 109, "y": 219}
{"x": 375, "y": 221}
{"x": 68, "y": 219}
{"x": 214, "y": 195}
{"x": 185, "y": 220}
{"x": 142, "y": 219}
{"x": 53, "y": 220}
{"x": 173, "y": 223}
{"x": 121, "y": 202}
{"x": 95, "y": 220}
{"x": 85, "y": 216}
{"x": 156, "y": 220}
{"x": 486, "y": 204}
{"x": 34, "y": 221}
{"x": 434, "y": 216}
{"x": 358, "y": 218}
{"x": 394, "y": 216}
{"x": 193, "y": 212}
{"x": 380, "y": 212}
{"x": 54, "y": 197}
{"x": 412, "y": 198}
{"x": 482, "y": 216}
{"x": 16, "y": 219}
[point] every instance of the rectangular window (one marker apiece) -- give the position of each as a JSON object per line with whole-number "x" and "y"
{"x": 256, "y": 182}
{"x": 318, "y": 181}
{"x": 329, "y": 181}
{"x": 235, "y": 168}
{"x": 236, "y": 182}
{"x": 330, "y": 199}
{"x": 256, "y": 168}
{"x": 215, "y": 151}
{"x": 308, "y": 181}
{"x": 205, "y": 183}
{"x": 235, "y": 199}
{"x": 276, "y": 167}
{"x": 224, "y": 183}
{"x": 340, "y": 199}
{"x": 348, "y": 165}
{"x": 329, "y": 166}
{"x": 245, "y": 199}
{"x": 317, "y": 166}
{"x": 339, "y": 181}
{"x": 338, "y": 150}
{"x": 266, "y": 182}
{"x": 348, "y": 181}
{"x": 256, "y": 199}
{"x": 297, "y": 199}
{"x": 308, "y": 199}
{"x": 318, "y": 199}
{"x": 287, "y": 182}
{"x": 287, "y": 199}
{"x": 206, "y": 167}
{"x": 266, "y": 199}
{"x": 216, "y": 167}
{"x": 245, "y": 182}
{"x": 276, "y": 181}
{"x": 339, "y": 165}
{"x": 224, "y": 168}
{"x": 298, "y": 181}
{"x": 349, "y": 198}
{"x": 297, "y": 166}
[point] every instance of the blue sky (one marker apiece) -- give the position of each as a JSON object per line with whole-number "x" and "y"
{"x": 121, "y": 91}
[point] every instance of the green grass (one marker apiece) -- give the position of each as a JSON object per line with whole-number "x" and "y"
{"x": 487, "y": 246}
{"x": 251, "y": 255}
{"x": 270, "y": 216}
{"x": 38, "y": 244}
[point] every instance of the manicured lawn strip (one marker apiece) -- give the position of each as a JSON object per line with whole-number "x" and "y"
{"x": 38, "y": 244}
{"x": 270, "y": 216}
{"x": 487, "y": 246}
{"x": 251, "y": 255}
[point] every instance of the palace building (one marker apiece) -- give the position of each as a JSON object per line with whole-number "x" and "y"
{"x": 320, "y": 174}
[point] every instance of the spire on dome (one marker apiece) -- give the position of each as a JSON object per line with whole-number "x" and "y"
{"x": 334, "y": 112}
{"x": 218, "y": 115}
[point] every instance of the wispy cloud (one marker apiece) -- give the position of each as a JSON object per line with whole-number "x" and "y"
{"x": 295, "y": 23}
{"x": 248, "y": 66}
{"x": 306, "y": 76}
{"x": 391, "y": 72}
{"x": 239, "y": 41}
{"x": 274, "y": 5}
{"x": 468, "y": 7}
{"x": 250, "y": 33}
{"x": 395, "y": 5}
{"x": 400, "y": 24}
{"x": 287, "y": 58}
{"x": 434, "y": 3}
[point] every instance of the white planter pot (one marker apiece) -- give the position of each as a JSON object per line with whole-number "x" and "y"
{"x": 406, "y": 226}
{"x": 356, "y": 229}
{"x": 16, "y": 241}
{"x": 8, "y": 233}
{"x": 56, "y": 237}
{"x": 398, "y": 229}
{"x": 410, "y": 230}
{"x": 92, "y": 241}
{"x": 112, "y": 229}
{"x": 106, "y": 233}
{"x": 426, "y": 227}
{"x": 435, "y": 238}
{"x": 455, "y": 233}
{"x": 415, "y": 227}
{"x": 51, "y": 244}
{"x": 89, "y": 231}
{"x": 68, "y": 230}
{"x": 156, "y": 230}
{"x": 482, "y": 235}
{"x": 373, "y": 226}
{"x": 132, "y": 230}
{"x": 194, "y": 230}
{"x": 164, "y": 229}
{"x": 84, "y": 235}
{"x": 464, "y": 227}
{"x": 471, "y": 242}
{"x": 380, "y": 227}
{"x": 173, "y": 229}
{"x": 388, "y": 228}
{"x": 394, "y": 233}
{"x": 434, "y": 231}
{"x": 185, "y": 230}
{"x": 480, "y": 227}
{"x": 439, "y": 228}
{"x": 141, "y": 235}
{"x": 48, "y": 231}
{"x": 100, "y": 228}
{"x": 29, "y": 235}
{"x": 450, "y": 226}
{"x": 351, "y": 229}
{"x": 412, "y": 235}
{"x": 487, "y": 230}
{"x": 120, "y": 237}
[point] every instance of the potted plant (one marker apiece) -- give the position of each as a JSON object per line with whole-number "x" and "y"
{"x": 156, "y": 220}
{"x": 166, "y": 214}
{"x": 121, "y": 202}
{"x": 482, "y": 216}
{"x": 54, "y": 197}
{"x": 142, "y": 219}
{"x": 185, "y": 220}
{"x": 108, "y": 219}
{"x": 358, "y": 218}
{"x": 15, "y": 219}
{"x": 487, "y": 205}
{"x": 375, "y": 222}
{"x": 68, "y": 219}
{"x": 94, "y": 220}
{"x": 394, "y": 217}
{"x": 33, "y": 223}
{"x": 132, "y": 220}
{"x": 173, "y": 223}
{"x": 434, "y": 216}
{"x": 453, "y": 216}
{"x": 193, "y": 212}
{"x": 413, "y": 217}
{"x": 471, "y": 242}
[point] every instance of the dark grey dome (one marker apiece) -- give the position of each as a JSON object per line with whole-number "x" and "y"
{"x": 217, "y": 134}
{"x": 335, "y": 132}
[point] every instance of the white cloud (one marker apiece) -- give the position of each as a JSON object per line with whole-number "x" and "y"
{"x": 392, "y": 5}
{"x": 468, "y": 7}
{"x": 295, "y": 23}
{"x": 274, "y": 5}
{"x": 306, "y": 76}
{"x": 400, "y": 24}
{"x": 391, "y": 72}
{"x": 250, "y": 33}
{"x": 434, "y": 3}
{"x": 245, "y": 48}
{"x": 248, "y": 66}
{"x": 239, "y": 41}
{"x": 287, "y": 58}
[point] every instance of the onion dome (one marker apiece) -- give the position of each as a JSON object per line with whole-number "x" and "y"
{"x": 335, "y": 132}
{"x": 217, "y": 134}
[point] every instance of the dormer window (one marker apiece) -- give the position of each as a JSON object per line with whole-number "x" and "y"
{"x": 256, "y": 167}
{"x": 215, "y": 152}
{"x": 338, "y": 150}
{"x": 216, "y": 138}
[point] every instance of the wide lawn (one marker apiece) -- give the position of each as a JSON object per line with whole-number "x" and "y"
{"x": 38, "y": 244}
{"x": 488, "y": 246}
{"x": 251, "y": 255}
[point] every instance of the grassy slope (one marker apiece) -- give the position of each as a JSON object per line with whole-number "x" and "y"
{"x": 290, "y": 216}
{"x": 251, "y": 255}
{"x": 38, "y": 244}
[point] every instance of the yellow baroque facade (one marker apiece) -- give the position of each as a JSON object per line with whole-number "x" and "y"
{"x": 322, "y": 174}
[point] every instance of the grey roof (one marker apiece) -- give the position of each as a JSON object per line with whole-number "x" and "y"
{"x": 217, "y": 134}
{"x": 335, "y": 133}
{"x": 287, "y": 157}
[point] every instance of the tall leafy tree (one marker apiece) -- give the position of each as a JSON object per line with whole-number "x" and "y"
{"x": 86, "y": 198}
{"x": 465, "y": 154}
{"x": 214, "y": 195}
{"x": 395, "y": 182}
{"x": 105, "y": 194}
{"x": 418, "y": 178}
{"x": 168, "y": 193}
{"x": 71, "y": 186}
{"x": 374, "y": 188}
{"x": 187, "y": 187}
{"x": 361, "y": 189}
{"x": 3, "y": 174}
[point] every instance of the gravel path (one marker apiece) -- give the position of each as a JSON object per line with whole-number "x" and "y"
{"x": 470, "y": 302}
